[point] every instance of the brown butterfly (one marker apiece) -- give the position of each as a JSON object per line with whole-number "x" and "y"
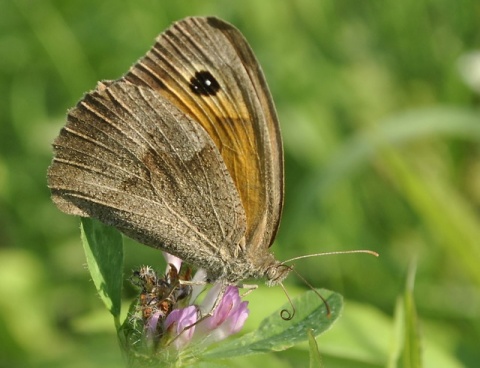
{"x": 183, "y": 153}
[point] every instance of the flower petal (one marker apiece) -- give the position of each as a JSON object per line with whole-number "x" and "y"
{"x": 151, "y": 325}
{"x": 175, "y": 261}
{"x": 209, "y": 301}
{"x": 198, "y": 284}
{"x": 228, "y": 317}
{"x": 177, "y": 321}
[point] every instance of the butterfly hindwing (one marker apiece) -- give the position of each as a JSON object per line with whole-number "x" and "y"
{"x": 131, "y": 159}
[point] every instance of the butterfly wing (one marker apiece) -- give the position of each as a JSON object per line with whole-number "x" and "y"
{"x": 206, "y": 68}
{"x": 131, "y": 159}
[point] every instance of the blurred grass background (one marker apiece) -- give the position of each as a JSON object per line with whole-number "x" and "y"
{"x": 381, "y": 127}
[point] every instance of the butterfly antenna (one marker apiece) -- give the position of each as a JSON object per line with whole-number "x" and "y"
{"x": 327, "y": 306}
{"x": 285, "y": 313}
{"x": 371, "y": 252}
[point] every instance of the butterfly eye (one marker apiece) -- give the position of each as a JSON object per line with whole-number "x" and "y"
{"x": 203, "y": 83}
{"x": 271, "y": 273}
{"x": 277, "y": 273}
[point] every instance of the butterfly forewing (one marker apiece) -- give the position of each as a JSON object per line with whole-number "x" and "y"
{"x": 206, "y": 68}
{"x": 130, "y": 158}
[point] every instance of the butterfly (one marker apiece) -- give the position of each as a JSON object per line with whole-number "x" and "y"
{"x": 183, "y": 153}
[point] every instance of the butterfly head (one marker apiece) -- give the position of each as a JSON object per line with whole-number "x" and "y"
{"x": 276, "y": 273}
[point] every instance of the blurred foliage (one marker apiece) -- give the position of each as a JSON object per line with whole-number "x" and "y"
{"x": 381, "y": 131}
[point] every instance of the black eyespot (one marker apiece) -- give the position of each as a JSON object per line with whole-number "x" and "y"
{"x": 203, "y": 83}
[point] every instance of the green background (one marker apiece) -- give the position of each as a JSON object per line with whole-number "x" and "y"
{"x": 381, "y": 130}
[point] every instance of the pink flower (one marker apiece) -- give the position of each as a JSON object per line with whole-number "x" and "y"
{"x": 151, "y": 326}
{"x": 172, "y": 260}
{"x": 228, "y": 317}
{"x": 176, "y": 323}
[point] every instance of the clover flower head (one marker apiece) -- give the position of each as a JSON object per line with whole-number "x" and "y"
{"x": 173, "y": 318}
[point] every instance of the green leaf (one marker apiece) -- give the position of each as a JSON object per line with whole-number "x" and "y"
{"x": 412, "y": 353}
{"x": 315, "y": 359}
{"x": 407, "y": 350}
{"x": 276, "y": 334}
{"x": 399, "y": 334}
{"x": 103, "y": 246}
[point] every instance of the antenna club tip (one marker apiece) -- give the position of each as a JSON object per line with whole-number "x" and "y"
{"x": 367, "y": 251}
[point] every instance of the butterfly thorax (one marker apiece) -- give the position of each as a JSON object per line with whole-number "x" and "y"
{"x": 236, "y": 270}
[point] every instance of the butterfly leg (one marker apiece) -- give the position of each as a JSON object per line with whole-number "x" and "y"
{"x": 248, "y": 288}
